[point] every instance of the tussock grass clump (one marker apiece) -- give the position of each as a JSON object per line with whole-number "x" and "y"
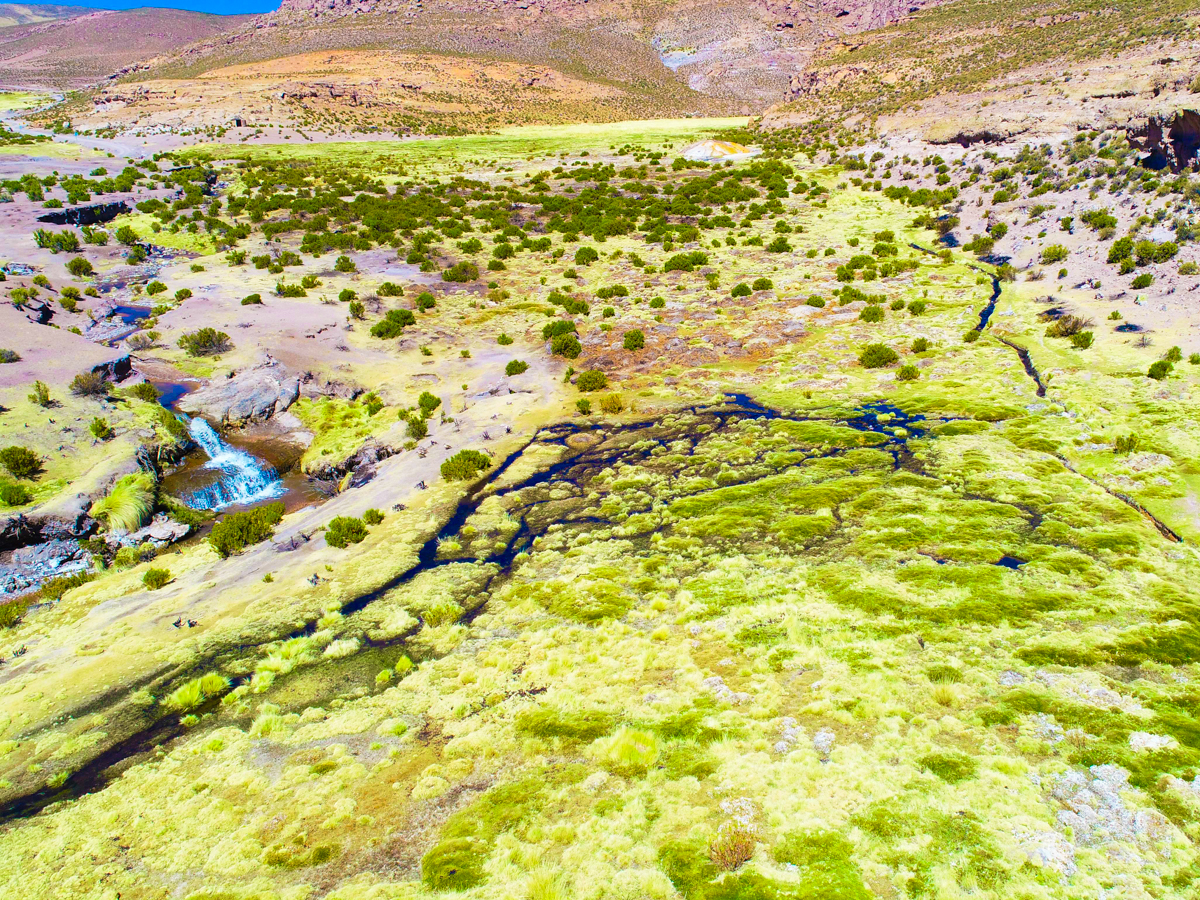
{"x": 128, "y": 504}
{"x": 582, "y": 725}
{"x": 734, "y": 844}
{"x": 950, "y": 766}
{"x": 195, "y": 692}
{"x": 628, "y": 751}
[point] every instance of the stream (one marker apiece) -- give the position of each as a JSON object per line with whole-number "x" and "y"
{"x": 632, "y": 443}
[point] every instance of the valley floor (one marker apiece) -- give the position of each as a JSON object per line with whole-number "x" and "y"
{"x": 855, "y": 576}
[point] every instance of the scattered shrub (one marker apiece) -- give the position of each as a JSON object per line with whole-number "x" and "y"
{"x": 1055, "y": 253}
{"x": 733, "y": 845}
{"x": 239, "y": 530}
{"x": 153, "y": 579}
{"x": 40, "y": 395}
{"x": 343, "y": 531}
{"x": 592, "y": 380}
{"x": 741, "y": 289}
{"x": 908, "y": 372}
{"x": 970, "y": 336}
{"x": 89, "y": 384}
{"x": 15, "y": 494}
{"x": 388, "y": 289}
{"x": 1142, "y": 281}
{"x": 393, "y": 324}
{"x": 1082, "y": 340}
{"x": 634, "y": 340}
{"x": 658, "y": 303}
{"x": 205, "y": 342}
{"x": 516, "y": 367}
{"x": 79, "y": 267}
{"x": 920, "y": 345}
{"x": 20, "y": 462}
{"x": 428, "y": 403}
{"x": 465, "y": 465}
{"x": 584, "y": 405}
{"x": 1126, "y": 443}
{"x": 815, "y": 301}
{"x": 345, "y": 264}
{"x": 566, "y": 345}
{"x": 252, "y": 300}
{"x": 611, "y": 404}
{"x": 876, "y": 356}
{"x": 9, "y": 356}
{"x": 100, "y": 429}
{"x": 372, "y": 516}
{"x": 1159, "y": 369}
{"x": 871, "y": 314}
{"x": 461, "y": 271}
{"x": 503, "y": 339}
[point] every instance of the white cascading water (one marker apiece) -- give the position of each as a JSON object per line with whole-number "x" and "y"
{"x": 244, "y": 478}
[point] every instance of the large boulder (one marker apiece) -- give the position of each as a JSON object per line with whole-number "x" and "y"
{"x": 250, "y": 396}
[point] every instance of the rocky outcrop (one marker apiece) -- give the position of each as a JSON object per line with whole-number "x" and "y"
{"x": 250, "y": 396}
{"x": 30, "y": 566}
{"x": 1169, "y": 142}
{"x": 86, "y": 215}
{"x": 22, "y": 530}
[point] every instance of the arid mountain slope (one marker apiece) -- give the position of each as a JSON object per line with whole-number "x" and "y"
{"x": 513, "y": 62}
{"x": 29, "y": 14}
{"x": 82, "y": 50}
{"x": 985, "y": 69}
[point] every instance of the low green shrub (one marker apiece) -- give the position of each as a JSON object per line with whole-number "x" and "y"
{"x": 15, "y": 495}
{"x": 239, "y": 530}
{"x": 465, "y": 465}
{"x": 516, "y": 367}
{"x": 592, "y": 380}
{"x": 876, "y": 356}
{"x": 89, "y": 384}
{"x": 153, "y": 579}
{"x": 372, "y": 516}
{"x": 343, "y": 531}
{"x": 205, "y": 342}
{"x": 20, "y": 462}
{"x": 252, "y": 300}
{"x": 634, "y": 340}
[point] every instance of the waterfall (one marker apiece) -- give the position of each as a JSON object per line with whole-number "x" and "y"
{"x": 244, "y": 477}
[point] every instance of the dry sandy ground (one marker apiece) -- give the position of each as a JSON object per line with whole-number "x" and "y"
{"x": 301, "y": 89}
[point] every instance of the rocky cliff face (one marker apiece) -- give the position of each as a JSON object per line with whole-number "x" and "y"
{"x": 1169, "y": 142}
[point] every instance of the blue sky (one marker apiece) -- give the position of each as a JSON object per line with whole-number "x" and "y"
{"x": 223, "y": 7}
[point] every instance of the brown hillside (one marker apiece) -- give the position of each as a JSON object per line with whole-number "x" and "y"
{"x": 85, "y": 49}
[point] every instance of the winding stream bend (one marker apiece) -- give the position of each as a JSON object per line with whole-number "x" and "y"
{"x": 631, "y": 442}
{"x": 156, "y": 728}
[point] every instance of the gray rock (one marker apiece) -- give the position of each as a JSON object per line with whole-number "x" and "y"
{"x": 160, "y": 532}
{"x": 253, "y": 395}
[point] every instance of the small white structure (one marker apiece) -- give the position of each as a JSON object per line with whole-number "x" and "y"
{"x": 719, "y": 151}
